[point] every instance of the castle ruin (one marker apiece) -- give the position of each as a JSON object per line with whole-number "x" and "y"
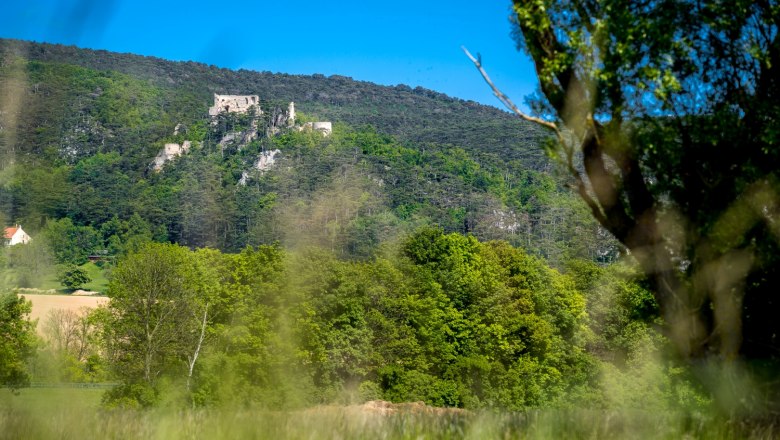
{"x": 243, "y": 104}
{"x": 324, "y": 127}
{"x": 234, "y": 104}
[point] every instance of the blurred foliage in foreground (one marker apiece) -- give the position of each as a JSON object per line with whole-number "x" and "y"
{"x": 68, "y": 413}
{"x": 666, "y": 115}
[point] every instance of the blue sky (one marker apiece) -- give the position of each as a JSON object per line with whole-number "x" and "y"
{"x": 400, "y": 42}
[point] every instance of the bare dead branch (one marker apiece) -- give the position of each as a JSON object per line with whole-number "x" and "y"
{"x": 582, "y": 187}
{"x": 505, "y": 99}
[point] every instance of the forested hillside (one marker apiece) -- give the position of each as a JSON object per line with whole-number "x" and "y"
{"x": 418, "y": 114}
{"x": 80, "y": 129}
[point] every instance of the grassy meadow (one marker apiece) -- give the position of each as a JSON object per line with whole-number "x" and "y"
{"x": 99, "y": 282}
{"x": 47, "y": 280}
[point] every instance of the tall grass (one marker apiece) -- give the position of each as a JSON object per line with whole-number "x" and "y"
{"x": 75, "y": 414}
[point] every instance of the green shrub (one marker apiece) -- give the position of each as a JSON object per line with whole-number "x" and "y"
{"x": 73, "y": 277}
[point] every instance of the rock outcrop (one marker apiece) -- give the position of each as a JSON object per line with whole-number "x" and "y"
{"x": 506, "y": 221}
{"x": 264, "y": 162}
{"x": 238, "y": 138}
{"x": 169, "y": 152}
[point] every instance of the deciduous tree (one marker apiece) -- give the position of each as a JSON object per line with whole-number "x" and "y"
{"x": 73, "y": 277}
{"x": 17, "y": 340}
{"x": 158, "y": 299}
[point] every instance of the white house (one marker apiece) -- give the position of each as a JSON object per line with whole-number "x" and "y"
{"x": 15, "y": 235}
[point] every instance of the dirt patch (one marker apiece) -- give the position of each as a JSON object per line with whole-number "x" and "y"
{"x": 385, "y": 408}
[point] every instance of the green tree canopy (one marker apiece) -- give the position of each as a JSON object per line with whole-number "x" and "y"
{"x": 17, "y": 340}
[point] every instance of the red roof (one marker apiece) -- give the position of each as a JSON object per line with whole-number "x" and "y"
{"x": 9, "y": 232}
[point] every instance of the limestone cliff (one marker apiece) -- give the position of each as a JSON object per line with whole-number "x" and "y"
{"x": 170, "y": 151}
{"x": 264, "y": 162}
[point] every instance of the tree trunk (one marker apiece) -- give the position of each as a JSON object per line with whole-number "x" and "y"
{"x": 192, "y": 359}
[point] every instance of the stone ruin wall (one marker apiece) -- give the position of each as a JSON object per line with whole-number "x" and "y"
{"x": 291, "y": 114}
{"x": 324, "y": 127}
{"x": 234, "y": 104}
